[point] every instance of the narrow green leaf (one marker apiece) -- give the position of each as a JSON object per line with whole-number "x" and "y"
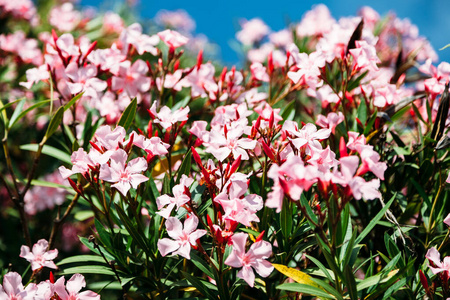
{"x": 103, "y": 235}
{"x": 286, "y": 219}
{"x": 92, "y": 269}
{"x": 200, "y": 285}
{"x": 81, "y": 259}
{"x": 185, "y": 167}
{"x": 23, "y": 113}
{"x": 305, "y": 289}
{"x": 72, "y": 101}
{"x": 350, "y": 282}
{"x": 16, "y": 113}
{"x": 128, "y": 115}
{"x": 320, "y": 266}
{"x": 374, "y": 221}
{"x": 50, "y": 151}
{"x": 54, "y": 123}
{"x": 362, "y": 111}
{"x": 201, "y": 264}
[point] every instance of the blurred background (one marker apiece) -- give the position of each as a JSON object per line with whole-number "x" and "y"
{"x": 219, "y": 21}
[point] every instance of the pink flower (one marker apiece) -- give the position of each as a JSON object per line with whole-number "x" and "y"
{"x": 133, "y": 35}
{"x": 182, "y": 239}
{"x": 252, "y": 31}
{"x": 317, "y": 21}
{"x": 71, "y": 289}
{"x": 39, "y": 257}
{"x": 330, "y": 121}
{"x": 435, "y": 259}
{"x": 166, "y": 203}
{"x": 166, "y": 117}
{"x": 259, "y": 72}
{"x": 255, "y": 258}
{"x": 124, "y": 175}
{"x": 178, "y": 20}
{"x": 172, "y": 38}
{"x": 365, "y": 56}
{"x": 222, "y": 144}
{"x": 64, "y": 17}
{"x": 308, "y": 68}
{"x": 131, "y": 78}
{"x": 447, "y": 220}
{"x": 12, "y": 288}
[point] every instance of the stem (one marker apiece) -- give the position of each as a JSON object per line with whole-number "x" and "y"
{"x": 58, "y": 221}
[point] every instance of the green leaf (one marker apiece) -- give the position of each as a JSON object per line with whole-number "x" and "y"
{"x": 350, "y": 282}
{"x": 286, "y": 219}
{"x": 320, "y": 266}
{"x": 16, "y": 113}
{"x": 445, "y": 47}
{"x": 50, "y": 151}
{"x": 305, "y": 289}
{"x": 82, "y": 259}
{"x": 128, "y": 115}
{"x": 54, "y": 123}
{"x": 138, "y": 237}
{"x": 375, "y": 280}
{"x": 374, "y": 221}
{"x": 185, "y": 167}
{"x": 370, "y": 123}
{"x": 72, "y": 101}
{"x": 23, "y": 113}
{"x": 104, "y": 236}
{"x": 92, "y": 269}
{"x": 362, "y": 111}
{"x": 201, "y": 264}
{"x": 200, "y": 285}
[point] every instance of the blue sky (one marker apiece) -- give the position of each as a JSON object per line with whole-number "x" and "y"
{"x": 218, "y": 20}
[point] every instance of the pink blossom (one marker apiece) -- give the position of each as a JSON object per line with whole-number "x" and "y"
{"x": 178, "y": 19}
{"x": 131, "y": 78}
{"x": 166, "y": 203}
{"x": 222, "y": 144}
{"x": 282, "y": 38}
{"x": 172, "y": 38}
{"x": 447, "y": 220}
{"x": 326, "y": 95}
{"x": 259, "y": 72}
{"x": 437, "y": 265}
{"x": 84, "y": 79}
{"x": 365, "y": 56}
{"x": 35, "y": 75}
{"x": 255, "y": 258}
{"x": 64, "y": 17}
{"x": 112, "y": 22}
{"x": 167, "y": 118}
{"x": 153, "y": 145}
{"x": 315, "y": 22}
{"x": 252, "y": 31}
{"x": 357, "y": 185}
{"x": 124, "y": 175}
{"x": 81, "y": 161}
{"x": 40, "y": 198}
{"x": 133, "y": 35}
{"x": 308, "y": 68}
{"x": 182, "y": 238}
{"x": 201, "y": 81}
{"x": 308, "y": 136}
{"x": 237, "y": 207}
{"x": 71, "y": 289}
{"x": 13, "y": 289}
{"x": 39, "y": 257}
{"x": 330, "y": 121}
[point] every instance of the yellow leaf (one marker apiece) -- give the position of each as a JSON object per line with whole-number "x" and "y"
{"x": 296, "y": 275}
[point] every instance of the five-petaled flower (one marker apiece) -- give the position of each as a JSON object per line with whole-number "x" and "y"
{"x": 124, "y": 175}
{"x": 182, "y": 238}
{"x": 255, "y": 258}
{"x": 39, "y": 256}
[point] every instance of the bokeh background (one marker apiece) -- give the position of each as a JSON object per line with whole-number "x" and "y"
{"x": 219, "y": 20}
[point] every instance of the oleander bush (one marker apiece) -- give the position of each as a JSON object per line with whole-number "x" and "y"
{"x": 133, "y": 157}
